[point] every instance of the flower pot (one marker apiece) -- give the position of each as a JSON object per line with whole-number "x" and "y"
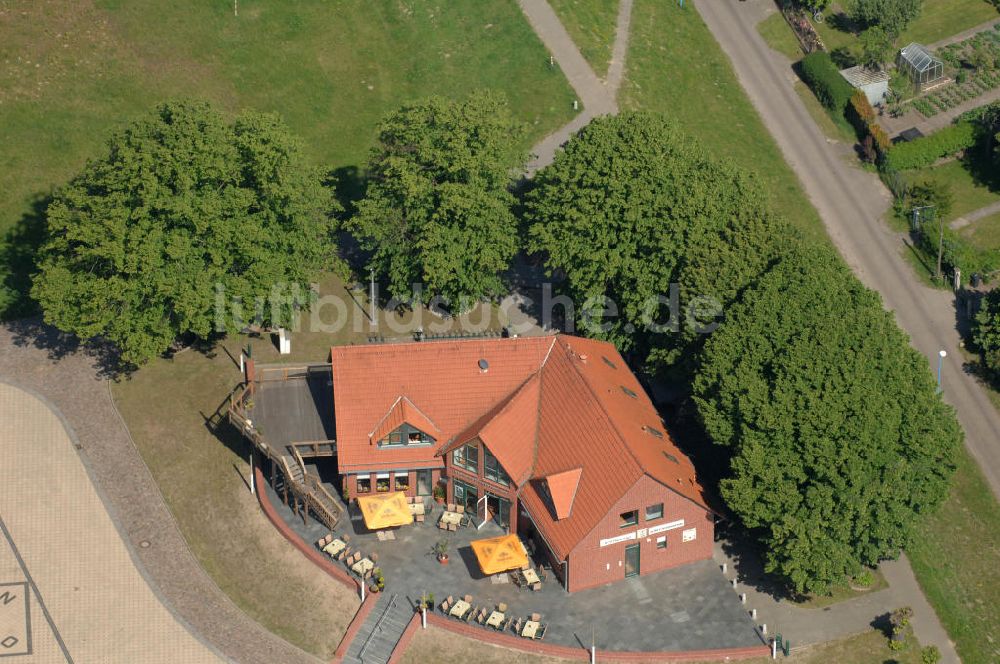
{"x": 443, "y": 560}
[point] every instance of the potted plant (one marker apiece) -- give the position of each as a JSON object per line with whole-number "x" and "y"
{"x": 380, "y": 581}
{"x": 430, "y": 601}
{"x": 441, "y": 549}
{"x": 438, "y": 494}
{"x": 347, "y": 494}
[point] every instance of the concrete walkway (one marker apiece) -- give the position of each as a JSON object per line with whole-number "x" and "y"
{"x": 597, "y": 97}
{"x": 975, "y": 215}
{"x": 851, "y": 203}
{"x": 53, "y": 365}
{"x": 86, "y": 600}
{"x": 964, "y": 34}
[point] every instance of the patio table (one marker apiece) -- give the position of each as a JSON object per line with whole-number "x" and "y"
{"x": 495, "y": 620}
{"x": 416, "y": 508}
{"x": 460, "y": 609}
{"x": 531, "y": 577}
{"x": 363, "y": 566}
{"x": 451, "y": 518}
{"x": 334, "y": 547}
{"x": 530, "y": 628}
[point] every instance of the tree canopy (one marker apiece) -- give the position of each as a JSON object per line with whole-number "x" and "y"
{"x": 438, "y": 209}
{"x": 183, "y": 212}
{"x": 986, "y": 331}
{"x": 893, "y": 16}
{"x": 876, "y": 44}
{"x": 838, "y": 439}
{"x": 631, "y": 206}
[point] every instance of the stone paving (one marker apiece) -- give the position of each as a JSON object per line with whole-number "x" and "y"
{"x": 687, "y": 608}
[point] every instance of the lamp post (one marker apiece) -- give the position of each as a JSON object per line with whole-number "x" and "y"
{"x": 941, "y": 355}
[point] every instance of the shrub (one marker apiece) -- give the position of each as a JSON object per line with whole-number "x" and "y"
{"x": 822, "y": 76}
{"x": 931, "y": 654}
{"x": 925, "y": 151}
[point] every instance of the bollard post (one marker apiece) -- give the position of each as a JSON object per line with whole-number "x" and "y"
{"x": 774, "y": 649}
{"x": 763, "y": 628}
{"x": 734, "y": 583}
{"x": 724, "y": 567}
{"x": 743, "y": 598}
{"x": 753, "y": 614}
{"x": 423, "y": 616}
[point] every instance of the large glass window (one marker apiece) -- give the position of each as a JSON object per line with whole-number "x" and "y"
{"x": 364, "y": 484}
{"x": 406, "y": 435}
{"x": 493, "y": 470}
{"x": 654, "y": 512}
{"x": 466, "y": 495}
{"x": 467, "y": 457}
{"x": 630, "y": 518}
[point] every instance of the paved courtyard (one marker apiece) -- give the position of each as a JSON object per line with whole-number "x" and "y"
{"x": 691, "y": 607}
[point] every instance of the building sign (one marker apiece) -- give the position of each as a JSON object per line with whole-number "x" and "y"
{"x": 663, "y": 527}
{"x": 689, "y": 535}
{"x": 615, "y": 540}
{"x": 643, "y": 532}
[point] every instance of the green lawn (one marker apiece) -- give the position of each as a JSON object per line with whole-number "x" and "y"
{"x": 779, "y": 36}
{"x": 938, "y": 19}
{"x": 834, "y": 125}
{"x": 985, "y": 232}
{"x": 75, "y": 71}
{"x": 969, "y": 194}
{"x": 676, "y": 67}
{"x": 591, "y": 24}
{"x": 955, "y": 556}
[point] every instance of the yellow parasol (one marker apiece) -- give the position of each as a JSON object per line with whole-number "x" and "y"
{"x": 499, "y": 554}
{"x": 385, "y": 510}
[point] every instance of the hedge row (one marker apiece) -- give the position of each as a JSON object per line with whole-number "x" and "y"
{"x": 925, "y": 151}
{"x": 827, "y": 84}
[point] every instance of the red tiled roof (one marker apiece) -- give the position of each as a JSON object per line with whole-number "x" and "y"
{"x": 562, "y": 489}
{"x": 564, "y": 416}
{"x": 441, "y": 378}
{"x": 403, "y": 411}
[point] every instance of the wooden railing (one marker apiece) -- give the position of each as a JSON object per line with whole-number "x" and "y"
{"x": 311, "y": 490}
{"x": 315, "y": 448}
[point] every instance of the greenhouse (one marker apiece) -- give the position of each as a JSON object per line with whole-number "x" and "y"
{"x": 920, "y": 65}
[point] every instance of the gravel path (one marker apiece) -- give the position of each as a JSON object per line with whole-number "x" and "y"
{"x": 73, "y": 380}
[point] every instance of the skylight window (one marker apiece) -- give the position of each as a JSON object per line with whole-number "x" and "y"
{"x": 609, "y": 362}
{"x": 629, "y": 392}
{"x": 654, "y": 432}
{"x": 671, "y": 457}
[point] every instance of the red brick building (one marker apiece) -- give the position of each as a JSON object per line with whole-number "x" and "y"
{"x": 551, "y": 437}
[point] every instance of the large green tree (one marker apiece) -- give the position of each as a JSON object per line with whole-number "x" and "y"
{"x": 182, "y": 216}
{"x": 633, "y": 205}
{"x": 986, "y": 331}
{"x": 438, "y": 207}
{"x": 893, "y": 16}
{"x": 838, "y": 439}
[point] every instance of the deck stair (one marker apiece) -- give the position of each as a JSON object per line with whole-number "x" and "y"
{"x": 378, "y": 636}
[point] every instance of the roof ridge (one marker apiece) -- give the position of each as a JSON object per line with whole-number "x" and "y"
{"x": 420, "y": 410}
{"x": 385, "y": 416}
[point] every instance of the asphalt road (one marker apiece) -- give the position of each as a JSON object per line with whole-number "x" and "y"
{"x": 852, "y": 203}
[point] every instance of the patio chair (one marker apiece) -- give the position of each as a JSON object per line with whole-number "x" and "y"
{"x": 419, "y": 518}
{"x": 536, "y": 586}
{"x": 468, "y": 599}
{"x": 517, "y": 626}
{"x": 501, "y": 607}
{"x": 374, "y": 557}
{"x": 452, "y": 528}
{"x": 346, "y": 538}
{"x": 542, "y": 576}
{"x": 535, "y": 617}
{"x": 505, "y": 625}
{"x": 446, "y": 605}
{"x": 460, "y": 509}
{"x": 540, "y": 634}
{"x": 442, "y": 525}
{"x": 340, "y": 556}
{"x": 451, "y": 507}
{"x": 469, "y": 615}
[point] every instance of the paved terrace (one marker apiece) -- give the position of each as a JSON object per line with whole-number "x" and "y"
{"x": 688, "y": 608}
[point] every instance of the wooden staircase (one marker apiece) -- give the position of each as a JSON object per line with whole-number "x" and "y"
{"x": 305, "y": 487}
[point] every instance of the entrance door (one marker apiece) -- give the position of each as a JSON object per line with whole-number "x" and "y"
{"x": 500, "y": 510}
{"x": 631, "y": 560}
{"x": 424, "y": 482}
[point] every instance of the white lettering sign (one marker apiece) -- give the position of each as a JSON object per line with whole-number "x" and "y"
{"x": 689, "y": 535}
{"x": 615, "y": 540}
{"x": 663, "y": 527}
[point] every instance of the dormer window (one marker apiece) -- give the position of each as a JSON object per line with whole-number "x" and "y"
{"x": 406, "y": 436}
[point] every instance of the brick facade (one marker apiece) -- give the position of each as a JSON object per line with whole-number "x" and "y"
{"x": 591, "y": 565}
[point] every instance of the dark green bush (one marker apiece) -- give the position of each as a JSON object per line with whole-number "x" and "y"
{"x": 821, "y": 75}
{"x": 925, "y": 151}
